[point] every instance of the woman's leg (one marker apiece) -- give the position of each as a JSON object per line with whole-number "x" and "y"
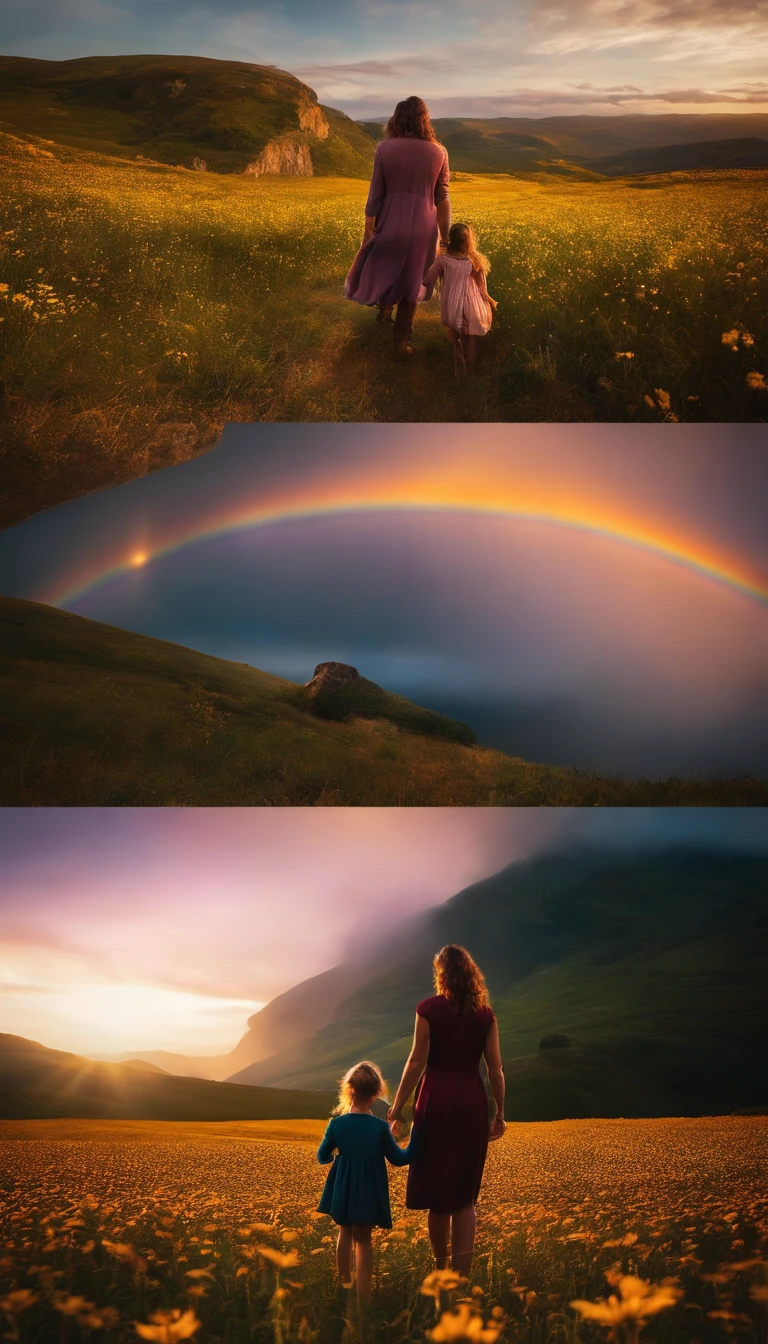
{"x": 361, "y": 1237}
{"x": 344, "y": 1255}
{"x": 401, "y": 331}
{"x": 463, "y": 1223}
{"x": 385, "y": 313}
{"x": 439, "y": 1225}
{"x": 470, "y": 348}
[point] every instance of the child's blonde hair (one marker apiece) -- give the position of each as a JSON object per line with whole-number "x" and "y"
{"x": 363, "y": 1082}
{"x": 461, "y": 239}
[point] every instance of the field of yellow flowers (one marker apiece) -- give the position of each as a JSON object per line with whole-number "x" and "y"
{"x": 124, "y": 1230}
{"x": 142, "y": 305}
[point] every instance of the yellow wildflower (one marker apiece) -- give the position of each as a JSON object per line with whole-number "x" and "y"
{"x": 17, "y": 1301}
{"x": 441, "y": 1281}
{"x": 70, "y": 1305}
{"x": 464, "y": 1323}
{"x": 277, "y": 1258}
{"x": 168, "y": 1326}
{"x": 639, "y": 1299}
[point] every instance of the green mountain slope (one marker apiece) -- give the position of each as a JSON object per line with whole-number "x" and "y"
{"x": 651, "y": 966}
{"x": 231, "y": 116}
{"x": 37, "y": 1083}
{"x": 95, "y": 716}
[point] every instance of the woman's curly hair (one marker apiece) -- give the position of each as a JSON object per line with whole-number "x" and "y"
{"x": 411, "y": 117}
{"x": 459, "y": 979}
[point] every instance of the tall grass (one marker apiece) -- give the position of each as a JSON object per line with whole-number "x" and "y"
{"x": 146, "y": 305}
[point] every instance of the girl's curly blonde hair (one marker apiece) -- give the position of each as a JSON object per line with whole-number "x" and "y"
{"x": 362, "y": 1083}
{"x": 459, "y": 979}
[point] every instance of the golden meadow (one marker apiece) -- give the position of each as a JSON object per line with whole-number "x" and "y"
{"x": 119, "y": 1231}
{"x": 142, "y": 306}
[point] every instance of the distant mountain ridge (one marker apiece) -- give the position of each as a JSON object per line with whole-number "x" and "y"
{"x": 38, "y": 1083}
{"x": 746, "y": 152}
{"x": 600, "y": 146}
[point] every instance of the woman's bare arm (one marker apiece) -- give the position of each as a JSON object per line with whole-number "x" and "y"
{"x": 493, "y": 1064}
{"x": 369, "y": 230}
{"x": 444, "y": 219}
{"x": 415, "y": 1065}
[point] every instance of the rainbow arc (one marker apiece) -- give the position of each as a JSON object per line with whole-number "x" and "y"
{"x": 484, "y": 499}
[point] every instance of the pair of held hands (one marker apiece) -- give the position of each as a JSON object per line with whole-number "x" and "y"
{"x": 498, "y": 1125}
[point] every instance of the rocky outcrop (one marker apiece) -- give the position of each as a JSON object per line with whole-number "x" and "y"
{"x": 288, "y": 157}
{"x": 313, "y": 119}
{"x": 338, "y": 677}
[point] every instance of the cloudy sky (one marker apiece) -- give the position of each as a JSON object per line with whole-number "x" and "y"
{"x": 508, "y": 576}
{"x": 142, "y": 929}
{"x": 487, "y": 58}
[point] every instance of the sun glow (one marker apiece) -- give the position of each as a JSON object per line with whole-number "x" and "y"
{"x": 138, "y": 559}
{"x": 111, "y": 1018}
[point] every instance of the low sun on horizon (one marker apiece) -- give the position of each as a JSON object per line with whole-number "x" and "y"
{"x": 111, "y": 1020}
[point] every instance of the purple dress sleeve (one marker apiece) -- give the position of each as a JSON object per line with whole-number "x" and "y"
{"x": 443, "y": 178}
{"x": 378, "y": 188}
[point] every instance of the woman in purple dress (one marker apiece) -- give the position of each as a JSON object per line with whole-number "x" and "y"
{"x": 455, "y": 1029}
{"x": 408, "y": 207}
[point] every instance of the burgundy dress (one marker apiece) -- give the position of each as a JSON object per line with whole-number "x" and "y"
{"x": 451, "y": 1112}
{"x": 410, "y": 177}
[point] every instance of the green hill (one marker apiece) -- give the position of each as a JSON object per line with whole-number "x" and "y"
{"x": 37, "y": 1083}
{"x": 623, "y": 984}
{"x": 95, "y": 716}
{"x": 227, "y": 116}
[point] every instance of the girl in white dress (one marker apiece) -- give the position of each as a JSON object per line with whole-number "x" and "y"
{"x": 466, "y": 307}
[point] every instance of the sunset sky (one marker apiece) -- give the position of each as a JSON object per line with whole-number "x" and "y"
{"x": 579, "y": 595}
{"x": 488, "y": 58}
{"x": 137, "y": 929}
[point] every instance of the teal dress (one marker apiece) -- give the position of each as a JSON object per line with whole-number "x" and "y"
{"x": 357, "y": 1188}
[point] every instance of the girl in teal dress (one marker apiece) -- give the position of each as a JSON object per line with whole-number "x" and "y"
{"x": 356, "y": 1193}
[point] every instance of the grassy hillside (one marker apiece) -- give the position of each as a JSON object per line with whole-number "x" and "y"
{"x": 648, "y": 968}
{"x": 184, "y": 110}
{"x": 36, "y": 1083}
{"x": 95, "y": 716}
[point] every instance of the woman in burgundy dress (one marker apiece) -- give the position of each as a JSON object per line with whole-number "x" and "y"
{"x": 407, "y": 208}
{"x": 455, "y": 1029}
